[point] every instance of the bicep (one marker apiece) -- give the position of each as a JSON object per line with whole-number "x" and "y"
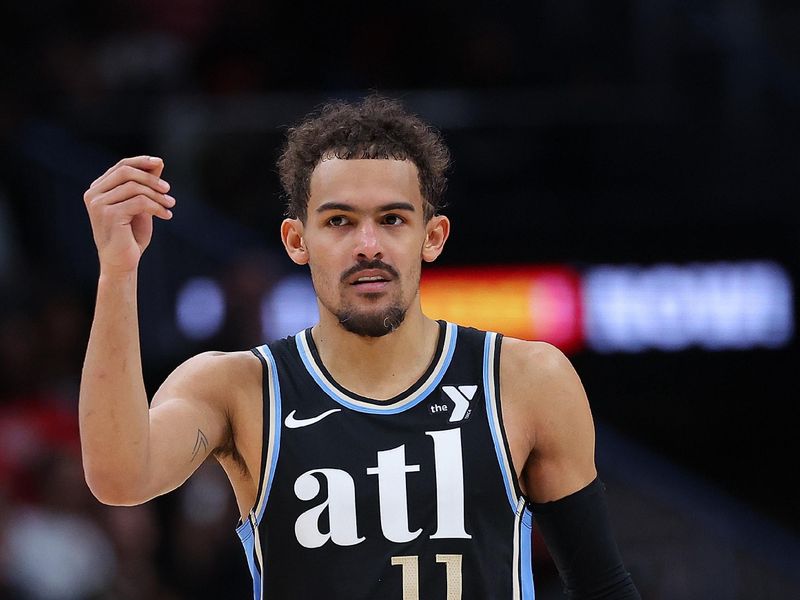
{"x": 187, "y": 423}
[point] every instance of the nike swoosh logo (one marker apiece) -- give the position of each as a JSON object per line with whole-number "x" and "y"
{"x": 293, "y": 423}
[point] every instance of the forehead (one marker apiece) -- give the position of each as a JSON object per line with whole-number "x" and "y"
{"x": 364, "y": 182}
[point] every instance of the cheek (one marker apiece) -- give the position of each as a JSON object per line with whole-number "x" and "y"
{"x": 416, "y": 274}
{"x": 325, "y": 274}
{"x": 411, "y": 274}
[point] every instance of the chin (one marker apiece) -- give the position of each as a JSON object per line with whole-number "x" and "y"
{"x": 372, "y": 323}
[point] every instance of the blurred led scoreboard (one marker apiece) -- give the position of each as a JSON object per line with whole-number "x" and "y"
{"x": 534, "y": 303}
{"x": 620, "y": 308}
{"x": 716, "y": 306}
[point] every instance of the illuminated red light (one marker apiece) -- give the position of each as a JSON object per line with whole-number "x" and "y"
{"x": 533, "y": 303}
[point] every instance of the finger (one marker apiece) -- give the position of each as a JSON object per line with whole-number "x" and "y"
{"x": 138, "y": 205}
{"x": 129, "y": 190}
{"x": 127, "y": 173}
{"x": 151, "y": 164}
{"x": 144, "y": 162}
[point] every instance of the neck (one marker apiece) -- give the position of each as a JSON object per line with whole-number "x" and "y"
{"x": 377, "y": 367}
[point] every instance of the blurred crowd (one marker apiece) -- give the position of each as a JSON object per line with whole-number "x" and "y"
{"x": 56, "y": 541}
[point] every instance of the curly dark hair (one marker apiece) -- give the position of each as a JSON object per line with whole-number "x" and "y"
{"x": 375, "y": 127}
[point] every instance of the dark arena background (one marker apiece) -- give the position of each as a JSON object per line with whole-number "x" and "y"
{"x": 624, "y": 186}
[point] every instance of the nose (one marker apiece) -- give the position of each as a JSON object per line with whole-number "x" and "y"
{"x": 368, "y": 244}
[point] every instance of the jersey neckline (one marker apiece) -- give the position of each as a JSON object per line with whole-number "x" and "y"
{"x": 414, "y": 394}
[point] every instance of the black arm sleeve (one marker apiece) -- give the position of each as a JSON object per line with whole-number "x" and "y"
{"x": 578, "y": 535}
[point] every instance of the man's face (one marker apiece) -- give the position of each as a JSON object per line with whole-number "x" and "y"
{"x": 364, "y": 238}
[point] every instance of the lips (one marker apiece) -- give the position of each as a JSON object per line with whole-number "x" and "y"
{"x": 372, "y": 287}
{"x": 369, "y": 277}
{"x": 369, "y": 268}
{"x": 373, "y": 279}
{"x": 370, "y": 281}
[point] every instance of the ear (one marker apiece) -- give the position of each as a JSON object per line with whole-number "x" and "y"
{"x": 292, "y": 238}
{"x": 437, "y": 231}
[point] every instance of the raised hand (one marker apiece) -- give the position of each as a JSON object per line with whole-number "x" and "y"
{"x": 121, "y": 204}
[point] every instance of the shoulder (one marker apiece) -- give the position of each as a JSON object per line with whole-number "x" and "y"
{"x": 213, "y": 377}
{"x": 221, "y": 368}
{"x": 535, "y": 365}
{"x": 539, "y": 385}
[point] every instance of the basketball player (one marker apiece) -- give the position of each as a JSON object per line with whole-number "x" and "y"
{"x": 379, "y": 454}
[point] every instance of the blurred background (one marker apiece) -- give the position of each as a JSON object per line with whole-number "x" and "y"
{"x": 624, "y": 186}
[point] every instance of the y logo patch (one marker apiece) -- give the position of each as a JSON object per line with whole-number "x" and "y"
{"x": 461, "y": 396}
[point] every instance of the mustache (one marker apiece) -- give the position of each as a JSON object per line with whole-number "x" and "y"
{"x": 369, "y": 264}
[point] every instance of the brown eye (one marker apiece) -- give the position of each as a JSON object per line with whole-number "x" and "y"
{"x": 393, "y": 220}
{"x": 338, "y": 221}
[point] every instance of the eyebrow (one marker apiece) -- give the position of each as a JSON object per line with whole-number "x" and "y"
{"x": 350, "y": 208}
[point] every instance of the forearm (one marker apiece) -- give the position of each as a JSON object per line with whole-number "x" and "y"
{"x": 578, "y": 535}
{"x": 113, "y": 408}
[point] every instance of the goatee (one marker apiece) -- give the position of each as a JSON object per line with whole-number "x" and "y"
{"x": 372, "y": 324}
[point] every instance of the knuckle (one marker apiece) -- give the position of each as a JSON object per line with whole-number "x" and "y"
{"x": 95, "y": 200}
{"x": 146, "y": 205}
{"x": 131, "y": 187}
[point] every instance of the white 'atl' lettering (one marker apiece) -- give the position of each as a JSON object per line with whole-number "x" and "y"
{"x": 391, "y": 472}
{"x": 341, "y": 506}
{"x": 449, "y": 484}
{"x": 392, "y": 497}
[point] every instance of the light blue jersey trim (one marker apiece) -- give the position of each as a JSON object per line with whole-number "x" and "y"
{"x": 526, "y": 566}
{"x": 248, "y": 530}
{"x": 275, "y": 429}
{"x": 494, "y": 418}
{"x": 245, "y": 531}
{"x": 451, "y": 333}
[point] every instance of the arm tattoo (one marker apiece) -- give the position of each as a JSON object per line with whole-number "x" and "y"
{"x": 200, "y": 442}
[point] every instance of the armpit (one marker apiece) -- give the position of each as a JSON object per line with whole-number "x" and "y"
{"x": 228, "y": 452}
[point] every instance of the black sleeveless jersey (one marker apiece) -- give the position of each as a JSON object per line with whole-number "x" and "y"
{"x": 404, "y": 499}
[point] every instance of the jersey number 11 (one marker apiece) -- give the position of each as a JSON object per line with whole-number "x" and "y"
{"x": 410, "y": 566}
